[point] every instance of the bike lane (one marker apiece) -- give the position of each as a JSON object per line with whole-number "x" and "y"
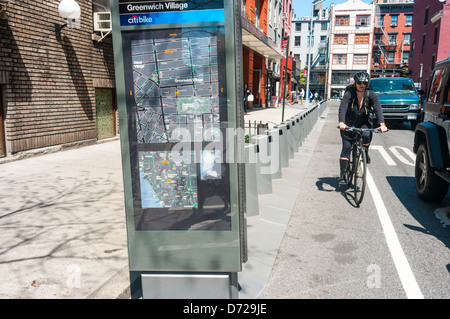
{"x": 331, "y": 248}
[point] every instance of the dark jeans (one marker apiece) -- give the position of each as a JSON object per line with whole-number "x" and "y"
{"x": 347, "y": 145}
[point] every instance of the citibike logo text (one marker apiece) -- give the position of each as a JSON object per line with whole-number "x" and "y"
{"x": 140, "y": 20}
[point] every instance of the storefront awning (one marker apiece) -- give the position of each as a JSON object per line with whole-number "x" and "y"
{"x": 256, "y": 40}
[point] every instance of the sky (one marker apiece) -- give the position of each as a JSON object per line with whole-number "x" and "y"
{"x": 302, "y": 8}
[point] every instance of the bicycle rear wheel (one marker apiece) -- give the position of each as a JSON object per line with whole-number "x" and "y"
{"x": 360, "y": 172}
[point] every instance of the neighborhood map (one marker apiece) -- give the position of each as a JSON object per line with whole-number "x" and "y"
{"x": 168, "y": 181}
{"x": 176, "y": 86}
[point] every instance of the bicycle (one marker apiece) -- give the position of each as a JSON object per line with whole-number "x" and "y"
{"x": 357, "y": 166}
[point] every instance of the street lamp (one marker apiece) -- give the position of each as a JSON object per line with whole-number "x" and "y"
{"x": 309, "y": 47}
{"x": 70, "y": 10}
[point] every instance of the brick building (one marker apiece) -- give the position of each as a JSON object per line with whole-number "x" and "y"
{"x": 53, "y": 90}
{"x": 430, "y": 38}
{"x": 351, "y": 39}
{"x": 392, "y": 37}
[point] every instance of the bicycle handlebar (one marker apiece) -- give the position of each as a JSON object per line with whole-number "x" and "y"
{"x": 361, "y": 130}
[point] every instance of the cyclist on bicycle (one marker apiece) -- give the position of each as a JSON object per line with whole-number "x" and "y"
{"x": 356, "y": 105}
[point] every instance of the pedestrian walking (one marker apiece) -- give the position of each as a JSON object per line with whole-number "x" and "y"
{"x": 247, "y": 93}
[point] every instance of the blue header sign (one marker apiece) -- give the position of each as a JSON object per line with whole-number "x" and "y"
{"x": 146, "y": 12}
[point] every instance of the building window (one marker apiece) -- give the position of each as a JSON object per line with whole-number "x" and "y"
{"x": 423, "y": 43}
{"x": 340, "y": 39}
{"x": 322, "y": 59}
{"x": 408, "y": 21}
{"x": 298, "y": 27}
{"x": 362, "y": 20}
{"x": 360, "y": 59}
{"x": 361, "y": 39}
{"x": 391, "y": 57}
{"x": 436, "y": 35}
{"x": 339, "y": 59}
{"x": 342, "y": 20}
{"x": 427, "y": 11}
{"x": 394, "y": 21}
{"x": 405, "y": 57}
{"x": 297, "y": 41}
{"x": 341, "y": 78}
{"x": 324, "y": 26}
{"x": 380, "y": 21}
{"x": 378, "y": 38}
{"x": 393, "y": 38}
{"x": 312, "y": 40}
{"x": 433, "y": 60}
{"x": 407, "y": 38}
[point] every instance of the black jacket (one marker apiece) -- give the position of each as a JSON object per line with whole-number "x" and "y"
{"x": 351, "y": 115}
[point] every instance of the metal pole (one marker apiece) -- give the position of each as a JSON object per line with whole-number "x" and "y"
{"x": 285, "y": 78}
{"x": 309, "y": 53}
{"x": 309, "y": 47}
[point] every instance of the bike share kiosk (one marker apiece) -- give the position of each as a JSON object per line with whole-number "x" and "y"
{"x": 179, "y": 92}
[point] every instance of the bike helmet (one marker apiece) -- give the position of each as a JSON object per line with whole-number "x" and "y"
{"x": 361, "y": 76}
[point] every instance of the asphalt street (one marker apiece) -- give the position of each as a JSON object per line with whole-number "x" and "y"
{"x": 393, "y": 246}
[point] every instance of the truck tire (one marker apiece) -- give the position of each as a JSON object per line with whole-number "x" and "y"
{"x": 430, "y": 187}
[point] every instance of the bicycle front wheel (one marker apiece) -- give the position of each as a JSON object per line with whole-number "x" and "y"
{"x": 360, "y": 171}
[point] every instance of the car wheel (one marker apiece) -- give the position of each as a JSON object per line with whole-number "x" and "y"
{"x": 429, "y": 186}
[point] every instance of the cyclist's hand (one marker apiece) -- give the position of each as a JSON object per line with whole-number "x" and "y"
{"x": 342, "y": 126}
{"x": 383, "y": 128}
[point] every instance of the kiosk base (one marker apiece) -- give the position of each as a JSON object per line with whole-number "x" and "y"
{"x": 157, "y": 285}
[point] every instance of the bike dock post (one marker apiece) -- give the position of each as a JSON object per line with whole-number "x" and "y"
{"x": 284, "y": 152}
{"x": 274, "y": 154}
{"x": 263, "y": 163}
{"x": 251, "y": 183}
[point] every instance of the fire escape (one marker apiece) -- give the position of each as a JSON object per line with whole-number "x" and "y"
{"x": 383, "y": 45}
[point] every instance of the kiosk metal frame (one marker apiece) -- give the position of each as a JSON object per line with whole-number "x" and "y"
{"x": 179, "y": 92}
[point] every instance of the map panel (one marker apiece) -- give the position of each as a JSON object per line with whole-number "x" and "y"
{"x": 168, "y": 180}
{"x": 176, "y": 85}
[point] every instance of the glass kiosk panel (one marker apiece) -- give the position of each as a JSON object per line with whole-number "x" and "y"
{"x": 176, "y": 77}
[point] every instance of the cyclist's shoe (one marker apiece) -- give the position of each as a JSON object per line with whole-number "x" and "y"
{"x": 343, "y": 165}
{"x": 342, "y": 179}
{"x": 366, "y": 149}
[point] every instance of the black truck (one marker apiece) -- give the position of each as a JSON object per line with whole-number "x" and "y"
{"x": 432, "y": 138}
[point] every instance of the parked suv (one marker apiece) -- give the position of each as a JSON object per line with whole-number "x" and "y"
{"x": 431, "y": 138}
{"x": 398, "y": 98}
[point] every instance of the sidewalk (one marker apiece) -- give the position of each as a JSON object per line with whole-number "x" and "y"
{"x": 273, "y": 115}
{"x": 63, "y": 232}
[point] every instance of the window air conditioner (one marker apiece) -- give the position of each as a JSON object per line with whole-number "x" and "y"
{"x": 102, "y": 21}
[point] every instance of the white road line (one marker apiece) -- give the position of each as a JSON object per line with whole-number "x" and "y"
{"x": 394, "y": 150}
{"x": 401, "y": 263}
{"x": 385, "y": 154}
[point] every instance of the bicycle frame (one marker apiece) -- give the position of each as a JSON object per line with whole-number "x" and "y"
{"x": 357, "y": 168}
